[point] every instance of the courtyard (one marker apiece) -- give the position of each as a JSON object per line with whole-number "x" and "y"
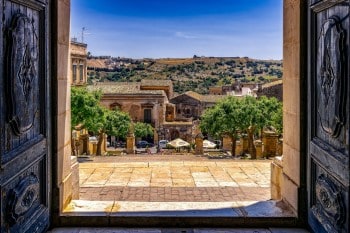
{"x": 173, "y": 178}
{"x": 174, "y": 185}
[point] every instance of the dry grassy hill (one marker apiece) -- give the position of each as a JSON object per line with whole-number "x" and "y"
{"x": 196, "y": 74}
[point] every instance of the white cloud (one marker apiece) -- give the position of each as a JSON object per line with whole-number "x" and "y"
{"x": 185, "y": 35}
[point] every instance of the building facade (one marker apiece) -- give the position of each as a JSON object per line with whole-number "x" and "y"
{"x": 78, "y": 68}
{"x": 192, "y": 105}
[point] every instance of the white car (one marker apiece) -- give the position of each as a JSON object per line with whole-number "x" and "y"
{"x": 162, "y": 144}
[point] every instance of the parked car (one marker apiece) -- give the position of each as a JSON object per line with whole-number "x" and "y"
{"x": 120, "y": 144}
{"x": 143, "y": 144}
{"x": 162, "y": 144}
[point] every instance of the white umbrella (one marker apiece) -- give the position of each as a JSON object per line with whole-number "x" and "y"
{"x": 208, "y": 144}
{"x": 178, "y": 142}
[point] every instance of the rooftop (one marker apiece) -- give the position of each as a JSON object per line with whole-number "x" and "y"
{"x": 154, "y": 82}
{"x": 278, "y": 82}
{"x": 74, "y": 42}
{"x": 212, "y": 98}
{"x": 203, "y": 98}
{"x": 178, "y": 123}
{"x": 123, "y": 88}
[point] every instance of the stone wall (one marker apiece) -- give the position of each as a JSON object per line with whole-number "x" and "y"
{"x": 274, "y": 89}
{"x": 170, "y": 112}
{"x": 66, "y": 167}
{"x": 270, "y": 142}
{"x": 292, "y": 77}
{"x": 215, "y": 90}
{"x": 186, "y": 110}
{"x": 175, "y": 130}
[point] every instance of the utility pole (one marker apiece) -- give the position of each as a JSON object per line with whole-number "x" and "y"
{"x": 82, "y": 34}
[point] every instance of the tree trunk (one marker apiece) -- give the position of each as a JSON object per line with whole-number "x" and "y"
{"x": 233, "y": 148}
{"x": 99, "y": 143}
{"x": 251, "y": 146}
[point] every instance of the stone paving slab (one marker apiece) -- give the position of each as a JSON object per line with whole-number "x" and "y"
{"x": 168, "y": 181}
{"x": 173, "y": 194}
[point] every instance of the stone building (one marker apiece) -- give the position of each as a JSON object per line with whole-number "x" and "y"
{"x": 147, "y": 101}
{"x": 177, "y": 129}
{"x": 78, "y": 68}
{"x": 273, "y": 89}
{"x": 191, "y": 104}
{"x": 236, "y": 89}
{"x": 165, "y": 85}
{"x": 148, "y": 106}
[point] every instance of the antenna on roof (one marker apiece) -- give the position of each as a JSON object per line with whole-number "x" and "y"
{"x": 83, "y": 33}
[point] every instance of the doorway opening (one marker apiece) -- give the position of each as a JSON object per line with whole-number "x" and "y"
{"x": 291, "y": 164}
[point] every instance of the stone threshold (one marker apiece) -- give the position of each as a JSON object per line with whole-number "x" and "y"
{"x": 178, "y": 230}
{"x": 177, "y": 214}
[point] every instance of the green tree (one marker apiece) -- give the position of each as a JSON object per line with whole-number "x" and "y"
{"x": 87, "y": 111}
{"x": 257, "y": 114}
{"x": 247, "y": 115}
{"x": 117, "y": 123}
{"x": 223, "y": 119}
{"x": 112, "y": 122}
{"x": 251, "y": 118}
{"x": 272, "y": 113}
{"x": 277, "y": 120}
{"x": 85, "y": 108}
{"x": 143, "y": 129}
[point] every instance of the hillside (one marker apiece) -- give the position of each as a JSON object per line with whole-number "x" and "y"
{"x": 195, "y": 74}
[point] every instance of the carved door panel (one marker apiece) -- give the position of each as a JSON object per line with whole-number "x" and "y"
{"x": 328, "y": 130}
{"x": 24, "y": 116}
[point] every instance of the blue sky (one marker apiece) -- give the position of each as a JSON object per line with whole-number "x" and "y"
{"x": 180, "y": 28}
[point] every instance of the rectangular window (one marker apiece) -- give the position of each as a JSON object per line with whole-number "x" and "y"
{"x": 81, "y": 74}
{"x": 74, "y": 73}
{"x": 147, "y": 116}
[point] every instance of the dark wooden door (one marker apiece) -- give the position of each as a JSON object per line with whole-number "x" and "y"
{"x": 328, "y": 127}
{"x": 24, "y": 115}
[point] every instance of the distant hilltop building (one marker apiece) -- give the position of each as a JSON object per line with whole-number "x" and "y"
{"x": 78, "y": 69}
{"x": 192, "y": 104}
{"x": 238, "y": 89}
{"x": 152, "y": 101}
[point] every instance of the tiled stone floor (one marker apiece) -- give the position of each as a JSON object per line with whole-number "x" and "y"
{"x": 175, "y": 181}
{"x": 175, "y": 186}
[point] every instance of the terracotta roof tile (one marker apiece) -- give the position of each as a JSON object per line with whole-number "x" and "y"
{"x": 203, "y": 98}
{"x": 155, "y": 82}
{"x": 123, "y": 88}
{"x": 194, "y": 95}
{"x": 266, "y": 85}
{"x": 212, "y": 98}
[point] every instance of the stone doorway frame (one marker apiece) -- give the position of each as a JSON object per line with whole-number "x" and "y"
{"x": 293, "y": 187}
